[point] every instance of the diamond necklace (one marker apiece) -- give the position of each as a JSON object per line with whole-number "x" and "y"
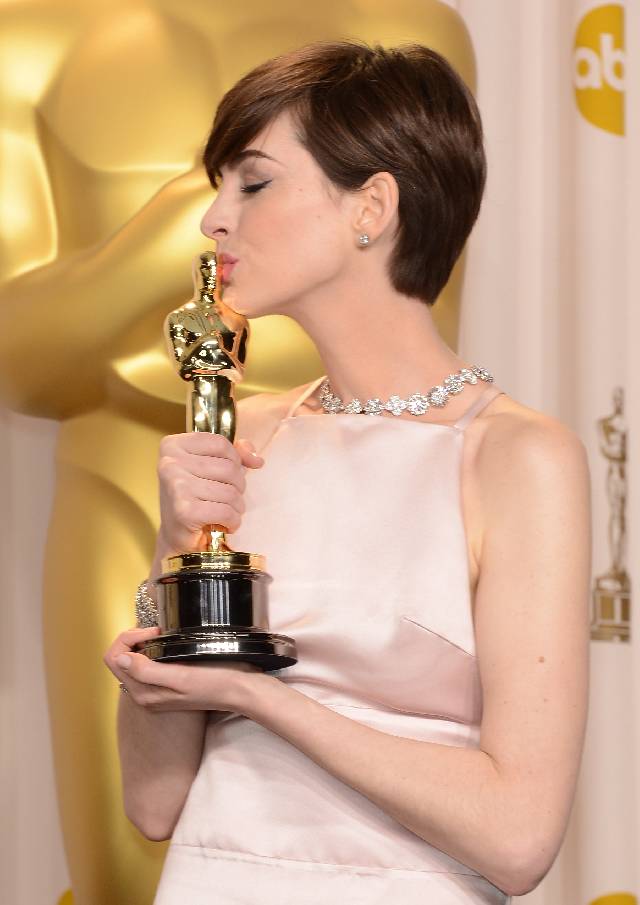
{"x": 417, "y": 404}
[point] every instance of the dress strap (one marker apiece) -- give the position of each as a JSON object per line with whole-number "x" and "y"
{"x": 481, "y": 402}
{"x": 304, "y": 395}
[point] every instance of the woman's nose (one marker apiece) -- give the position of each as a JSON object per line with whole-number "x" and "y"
{"x": 212, "y": 224}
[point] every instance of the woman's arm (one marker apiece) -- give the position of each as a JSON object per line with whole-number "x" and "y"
{"x": 159, "y": 752}
{"x": 501, "y": 809}
{"x": 159, "y": 758}
{"x": 201, "y": 480}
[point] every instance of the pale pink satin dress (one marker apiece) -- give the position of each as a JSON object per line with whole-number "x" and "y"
{"x": 360, "y": 520}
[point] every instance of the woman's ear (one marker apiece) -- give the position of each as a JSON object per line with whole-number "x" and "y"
{"x": 376, "y": 205}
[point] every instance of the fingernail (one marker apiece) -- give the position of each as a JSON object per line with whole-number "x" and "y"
{"x": 255, "y": 455}
{"x": 124, "y": 661}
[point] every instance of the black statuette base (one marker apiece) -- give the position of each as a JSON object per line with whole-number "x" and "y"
{"x": 263, "y": 649}
{"x": 192, "y": 599}
{"x": 217, "y": 615}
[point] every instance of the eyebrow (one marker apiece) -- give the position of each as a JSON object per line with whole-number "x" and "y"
{"x": 247, "y": 154}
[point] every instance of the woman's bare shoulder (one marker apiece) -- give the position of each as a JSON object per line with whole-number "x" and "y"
{"x": 516, "y": 460}
{"x": 514, "y": 441}
{"x": 507, "y": 421}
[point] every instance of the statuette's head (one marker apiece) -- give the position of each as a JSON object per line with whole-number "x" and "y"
{"x": 314, "y": 149}
{"x": 208, "y": 270}
{"x": 618, "y": 400}
{"x": 205, "y": 277}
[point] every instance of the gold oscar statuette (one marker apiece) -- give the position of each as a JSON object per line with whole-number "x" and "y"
{"x": 212, "y": 605}
{"x": 611, "y": 595}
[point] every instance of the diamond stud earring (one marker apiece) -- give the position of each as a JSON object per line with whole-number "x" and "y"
{"x": 364, "y": 239}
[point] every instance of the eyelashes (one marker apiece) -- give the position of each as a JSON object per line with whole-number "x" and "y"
{"x": 254, "y": 187}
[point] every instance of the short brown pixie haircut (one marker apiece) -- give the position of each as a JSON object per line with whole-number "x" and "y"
{"x": 362, "y": 110}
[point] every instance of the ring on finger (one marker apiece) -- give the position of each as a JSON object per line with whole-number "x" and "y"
{"x": 123, "y": 688}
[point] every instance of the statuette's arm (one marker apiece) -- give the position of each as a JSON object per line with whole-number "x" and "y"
{"x": 80, "y": 299}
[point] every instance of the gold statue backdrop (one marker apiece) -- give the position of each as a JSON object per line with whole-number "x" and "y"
{"x": 106, "y": 106}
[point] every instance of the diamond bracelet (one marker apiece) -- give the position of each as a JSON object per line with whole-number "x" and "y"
{"x": 146, "y": 607}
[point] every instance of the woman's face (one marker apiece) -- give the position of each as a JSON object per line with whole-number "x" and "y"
{"x": 290, "y": 231}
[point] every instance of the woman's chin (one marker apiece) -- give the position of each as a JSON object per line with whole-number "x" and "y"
{"x": 246, "y": 306}
{"x": 230, "y": 298}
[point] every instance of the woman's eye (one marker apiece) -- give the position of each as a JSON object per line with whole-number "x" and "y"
{"x": 254, "y": 187}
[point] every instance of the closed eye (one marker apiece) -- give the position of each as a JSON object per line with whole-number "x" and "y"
{"x": 254, "y": 187}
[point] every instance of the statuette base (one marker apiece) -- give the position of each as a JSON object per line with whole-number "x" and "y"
{"x": 611, "y": 601}
{"x": 213, "y": 606}
{"x": 263, "y": 649}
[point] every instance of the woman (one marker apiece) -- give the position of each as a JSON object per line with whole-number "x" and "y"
{"x": 431, "y": 560}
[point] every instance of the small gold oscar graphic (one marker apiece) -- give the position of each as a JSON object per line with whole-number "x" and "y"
{"x": 611, "y": 620}
{"x": 212, "y": 605}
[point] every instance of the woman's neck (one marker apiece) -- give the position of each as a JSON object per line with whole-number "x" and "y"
{"x": 378, "y": 348}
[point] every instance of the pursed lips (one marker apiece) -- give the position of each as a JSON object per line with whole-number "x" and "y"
{"x": 228, "y": 263}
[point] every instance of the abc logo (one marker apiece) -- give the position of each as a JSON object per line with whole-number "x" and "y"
{"x": 599, "y": 67}
{"x": 616, "y": 898}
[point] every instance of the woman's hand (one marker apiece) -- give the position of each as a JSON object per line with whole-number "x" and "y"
{"x": 176, "y": 686}
{"x": 202, "y": 482}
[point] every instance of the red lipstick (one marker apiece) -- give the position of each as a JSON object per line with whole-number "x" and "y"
{"x": 227, "y": 263}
